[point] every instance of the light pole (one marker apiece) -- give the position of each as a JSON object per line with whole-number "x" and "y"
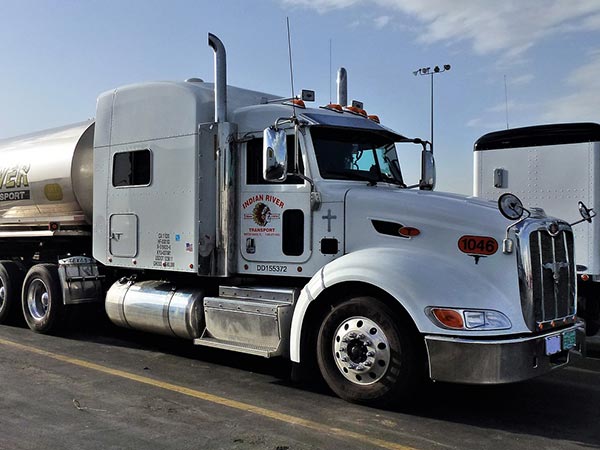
{"x": 431, "y": 73}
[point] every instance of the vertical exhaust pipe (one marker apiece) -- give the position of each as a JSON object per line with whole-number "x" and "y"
{"x": 342, "y": 87}
{"x": 220, "y": 78}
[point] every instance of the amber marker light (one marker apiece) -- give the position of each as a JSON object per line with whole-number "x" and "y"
{"x": 449, "y": 318}
{"x": 356, "y": 110}
{"x": 585, "y": 277}
{"x": 334, "y": 107}
{"x": 374, "y": 118}
{"x": 299, "y": 103}
{"x": 409, "y": 231}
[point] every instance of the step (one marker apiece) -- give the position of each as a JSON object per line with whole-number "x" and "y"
{"x": 265, "y": 352}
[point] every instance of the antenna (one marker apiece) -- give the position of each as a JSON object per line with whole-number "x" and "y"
{"x": 291, "y": 66}
{"x": 330, "y": 75}
{"x": 506, "y": 100}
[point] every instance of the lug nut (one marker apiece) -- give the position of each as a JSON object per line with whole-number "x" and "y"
{"x": 371, "y": 353}
{"x": 360, "y": 368}
{"x": 344, "y": 359}
{"x": 352, "y": 335}
{"x": 343, "y": 349}
{"x": 368, "y": 363}
{"x": 361, "y": 336}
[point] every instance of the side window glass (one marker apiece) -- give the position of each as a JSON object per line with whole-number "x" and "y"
{"x": 254, "y": 163}
{"x": 132, "y": 168}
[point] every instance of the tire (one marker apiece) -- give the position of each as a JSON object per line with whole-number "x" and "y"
{"x": 42, "y": 299}
{"x": 367, "y": 354}
{"x": 11, "y": 279}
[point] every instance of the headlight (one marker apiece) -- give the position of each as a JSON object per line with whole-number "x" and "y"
{"x": 468, "y": 319}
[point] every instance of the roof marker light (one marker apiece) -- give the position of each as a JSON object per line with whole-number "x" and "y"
{"x": 333, "y": 107}
{"x": 356, "y": 110}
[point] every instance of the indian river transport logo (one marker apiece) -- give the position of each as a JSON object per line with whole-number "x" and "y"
{"x": 261, "y": 214}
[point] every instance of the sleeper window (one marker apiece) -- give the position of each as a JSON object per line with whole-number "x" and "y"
{"x": 131, "y": 168}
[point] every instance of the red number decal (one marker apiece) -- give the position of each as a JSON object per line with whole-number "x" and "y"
{"x": 478, "y": 245}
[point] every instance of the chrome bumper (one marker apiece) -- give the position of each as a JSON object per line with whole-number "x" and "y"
{"x": 460, "y": 360}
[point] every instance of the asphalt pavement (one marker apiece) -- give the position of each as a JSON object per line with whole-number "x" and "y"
{"x": 107, "y": 388}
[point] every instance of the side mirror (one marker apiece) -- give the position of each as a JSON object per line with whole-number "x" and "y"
{"x": 586, "y": 213}
{"x": 427, "y": 171}
{"x": 274, "y": 155}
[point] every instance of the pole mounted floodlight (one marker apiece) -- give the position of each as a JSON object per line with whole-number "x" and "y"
{"x": 431, "y": 72}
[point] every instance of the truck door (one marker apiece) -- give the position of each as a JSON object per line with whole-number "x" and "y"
{"x": 274, "y": 217}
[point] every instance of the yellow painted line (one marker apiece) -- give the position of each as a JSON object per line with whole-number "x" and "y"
{"x": 271, "y": 414}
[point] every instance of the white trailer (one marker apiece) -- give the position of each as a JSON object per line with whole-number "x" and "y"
{"x": 251, "y": 223}
{"x": 552, "y": 167}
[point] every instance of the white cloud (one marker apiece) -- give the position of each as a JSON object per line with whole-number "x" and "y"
{"x": 474, "y": 123}
{"x": 501, "y": 107}
{"x": 509, "y": 27}
{"x": 322, "y": 6}
{"x": 382, "y": 21}
{"x": 520, "y": 80}
{"x": 583, "y": 102}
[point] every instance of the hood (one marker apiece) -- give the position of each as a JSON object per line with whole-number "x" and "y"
{"x": 441, "y": 218}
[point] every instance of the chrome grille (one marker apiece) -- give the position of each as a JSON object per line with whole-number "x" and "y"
{"x": 548, "y": 292}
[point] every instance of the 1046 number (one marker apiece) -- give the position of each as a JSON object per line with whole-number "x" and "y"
{"x": 478, "y": 245}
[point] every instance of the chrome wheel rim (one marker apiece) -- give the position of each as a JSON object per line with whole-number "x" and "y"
{"x": 361, "y": 350}
{"x": 2, "y": 294}
{"x": 38, "y": 299}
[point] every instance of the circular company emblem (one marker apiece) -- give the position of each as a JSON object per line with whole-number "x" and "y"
{"x": 553, "y": 229}
{"x": 261, "y": 214}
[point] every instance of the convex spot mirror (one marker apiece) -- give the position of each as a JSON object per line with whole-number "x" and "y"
{"x": 586, "y": 213}
{"x": 274, "y": 155}
{"x": 510, "y": 206}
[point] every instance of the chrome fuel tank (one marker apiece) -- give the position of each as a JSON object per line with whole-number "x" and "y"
{"x": 47, "y": 177}
{"x": 157, "y": 307}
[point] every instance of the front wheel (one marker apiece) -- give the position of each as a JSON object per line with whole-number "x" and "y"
{"x": 368, "y": 354}
{"x": 42, "y": 299}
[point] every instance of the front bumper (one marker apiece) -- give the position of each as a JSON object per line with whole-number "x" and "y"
{"x": 471, "y": 361}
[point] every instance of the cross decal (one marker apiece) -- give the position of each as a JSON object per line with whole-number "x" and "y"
{"x": 329, "y": 218}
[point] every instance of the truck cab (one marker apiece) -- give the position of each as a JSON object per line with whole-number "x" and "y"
{"x": 253, "y": 223}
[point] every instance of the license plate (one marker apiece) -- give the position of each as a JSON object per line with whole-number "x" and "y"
{"x": 553, "y": 344}
{"x": 569, "y": 339}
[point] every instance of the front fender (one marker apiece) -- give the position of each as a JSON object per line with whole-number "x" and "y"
{"x": 417, "y": 280}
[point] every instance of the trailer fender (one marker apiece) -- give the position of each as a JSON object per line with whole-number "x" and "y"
{"x": 417, "y": 280}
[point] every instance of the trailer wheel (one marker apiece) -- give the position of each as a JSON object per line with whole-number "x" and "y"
{"x": 367, "y": 354}
{"x": 42, "y": 299}
{"x": 11, "y": 279}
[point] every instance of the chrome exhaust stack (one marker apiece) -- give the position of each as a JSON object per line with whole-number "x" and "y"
{"x": 342, "y": 87}
{"x": 220, "y": 78}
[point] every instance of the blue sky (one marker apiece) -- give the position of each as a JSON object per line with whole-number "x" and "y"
{"x": 57, "y": 56}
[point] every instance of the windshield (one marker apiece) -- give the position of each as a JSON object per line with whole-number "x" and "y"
{"x": 346, "y": 154}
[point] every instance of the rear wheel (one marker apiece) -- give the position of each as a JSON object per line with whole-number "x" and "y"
{"x": 42, "y": 299}
{"x": 11, "y": 279}
{"x": 368, "y": 354}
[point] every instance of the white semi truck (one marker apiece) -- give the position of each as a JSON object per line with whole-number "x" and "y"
{"x": 552, "y": 167}
{"x": 251, "y": 223}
